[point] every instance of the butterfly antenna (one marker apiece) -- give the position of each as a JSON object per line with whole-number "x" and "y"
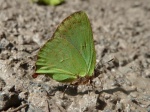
{"x": 114, "y": 61}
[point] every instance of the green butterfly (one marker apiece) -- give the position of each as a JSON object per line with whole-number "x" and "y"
{"x": 70, "y": 55}
{"x": 49, "y": 2}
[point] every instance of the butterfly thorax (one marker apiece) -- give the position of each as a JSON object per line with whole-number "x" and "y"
{"x": 82, "y": 80}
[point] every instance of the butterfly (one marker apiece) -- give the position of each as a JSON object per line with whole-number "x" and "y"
{"x": 69, "y": 56}
{"x": 49, "y": 2}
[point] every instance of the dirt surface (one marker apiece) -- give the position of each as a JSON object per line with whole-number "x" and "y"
{"x": 121, "y": 30}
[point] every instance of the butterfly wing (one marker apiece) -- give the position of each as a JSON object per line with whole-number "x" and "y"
{"x": 78, "y": 32}
{"x": 58, "y": 56}
{"x": 70, "y": 53}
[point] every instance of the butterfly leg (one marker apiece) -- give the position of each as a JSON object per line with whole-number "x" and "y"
{"x": 90, "y": 83}
{"x": 65, "y": 90}
{"x": 48, "y": 108}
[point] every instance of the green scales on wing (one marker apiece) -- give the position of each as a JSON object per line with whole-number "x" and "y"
{"x": 70, "y": 53}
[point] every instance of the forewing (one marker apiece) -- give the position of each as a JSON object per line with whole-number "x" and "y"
{"x": 78, "y": 32}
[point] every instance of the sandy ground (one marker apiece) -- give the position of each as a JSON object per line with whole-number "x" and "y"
{"x": 121, "y": 30}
